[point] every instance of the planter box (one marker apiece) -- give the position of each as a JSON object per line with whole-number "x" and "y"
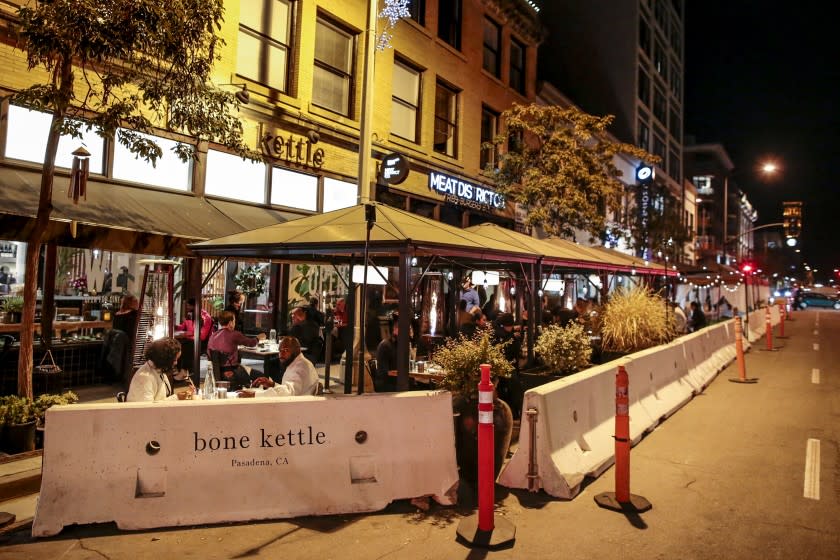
{"x": 536, "y": 377}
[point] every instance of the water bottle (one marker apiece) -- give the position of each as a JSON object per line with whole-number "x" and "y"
{"x": 272, "y": 336}
{"x": 209, "y": 383}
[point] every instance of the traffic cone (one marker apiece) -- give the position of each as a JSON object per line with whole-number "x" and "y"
{"x": 768, "y": 331}
{"x": 782, "y": 314}
{"x": 622, "y": 500}
{"x": 483, "y": 529}
{"x": 739, "y": 356}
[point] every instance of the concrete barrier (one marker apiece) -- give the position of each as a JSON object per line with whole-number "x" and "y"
{"x": 173, "y": 463}
{"x": 575, "y": 416}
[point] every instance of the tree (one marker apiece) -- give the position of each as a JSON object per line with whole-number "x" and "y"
{"x": 138, "y": 64}
{"x": 559, "y": 165}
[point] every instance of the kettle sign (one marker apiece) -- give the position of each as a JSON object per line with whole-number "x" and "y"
{"x": 394, "y": 169}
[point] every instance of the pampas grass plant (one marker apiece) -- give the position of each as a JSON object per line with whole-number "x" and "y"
{"x": 634, "y": 319}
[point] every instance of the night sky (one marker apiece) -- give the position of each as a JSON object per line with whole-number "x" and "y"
{"x": 762, "y": 79}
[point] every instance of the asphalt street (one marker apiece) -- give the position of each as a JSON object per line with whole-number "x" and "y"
{"x": 743, "y": 471}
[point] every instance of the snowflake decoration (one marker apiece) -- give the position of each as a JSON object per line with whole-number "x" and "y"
{"x": 393, "y": 11}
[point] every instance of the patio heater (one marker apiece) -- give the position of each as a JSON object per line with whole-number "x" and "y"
{"x": 156, "y": 305}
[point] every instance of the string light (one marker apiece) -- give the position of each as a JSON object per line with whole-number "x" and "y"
{"x": 393, "y": 11}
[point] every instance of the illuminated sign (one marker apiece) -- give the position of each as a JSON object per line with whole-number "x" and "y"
{"x": 466, "y": 194}
{"x": 645, "y": 174}
{"x": 394, "y": 169}
{"x": 297, "y": 150}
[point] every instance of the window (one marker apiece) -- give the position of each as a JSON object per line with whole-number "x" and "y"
{"x": 675, "y": 125}
{"x": 293, "y": 189}
{"x": 676, "y": 81}
{"x": 169, "y": 172}
{"x": 417, "y": 11}
{"x": 659, "y": 150}
{"x": 339, "y": 194}
{"x": 449, "y": 22}
{"x": 26, "y": 136}
{"x": 405, "y": 101}
{"x": 675, "y": 36}
{"x": 644, "y": 87}
{"x": 660, "y": 14}
{"x": 333, "y": 78}
{"x": 674, "y": 168}
{"x": 489, "y": 129}
{"x": 660, "y": 60}
{"x": 516, "y": 141}
{"x": 262, "y": 51}
{"x": 492, "y": 44}
{"x": 446, "y": 120}
{"x": 643, "y": 137}
{"x": 230, "y": 176}
{"x": 517, "y": 66}
{"x": 660, "y": 110}
{"x": 644, "y": 37}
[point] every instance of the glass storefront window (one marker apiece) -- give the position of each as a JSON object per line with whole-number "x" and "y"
{"x": 169, "y": 172}
{"x": 27, "y": 136}
{"x": 339, "y": 194}
{"x": 294, "y": 190}
{"x": 230, "y": 176}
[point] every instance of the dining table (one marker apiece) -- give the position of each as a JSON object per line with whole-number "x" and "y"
{"x": 262, "y": 352}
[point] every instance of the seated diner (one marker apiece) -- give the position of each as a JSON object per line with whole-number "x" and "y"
{"x": 300, "y": 376}
{"x": 224, "y": 344}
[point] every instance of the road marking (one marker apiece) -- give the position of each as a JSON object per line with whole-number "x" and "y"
{"x": 816, "y": 346}
{"x": 812, "y": 469}
{"x": 815, "y": 376}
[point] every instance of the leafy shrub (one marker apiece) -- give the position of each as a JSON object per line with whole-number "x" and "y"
{"x": 43, "y": 402}
{"x": 460, "y": 359}
{"x": 634, "y": 319}
{"x": 564, "y": 350}
{"x": 16, "y": 410}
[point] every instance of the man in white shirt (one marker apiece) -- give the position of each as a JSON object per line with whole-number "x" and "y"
{"x": 300, "y": 376}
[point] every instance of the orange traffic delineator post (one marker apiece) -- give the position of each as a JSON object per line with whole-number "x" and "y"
{"x": 782, "y": 313}
{"x": 483, "y": 529}
{"x": 768, "y": 331}
{"x": 739, "y": 356}
{"x": 622, "y": 500}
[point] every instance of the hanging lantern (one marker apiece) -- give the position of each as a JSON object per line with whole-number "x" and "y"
{"x": 79, "y": 175}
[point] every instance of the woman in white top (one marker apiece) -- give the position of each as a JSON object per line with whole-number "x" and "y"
{"x": 151, "y": 382}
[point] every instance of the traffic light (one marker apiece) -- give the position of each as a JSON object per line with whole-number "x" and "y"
{"x": 748, "y": 267}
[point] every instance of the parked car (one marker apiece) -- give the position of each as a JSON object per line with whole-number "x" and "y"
{"x": 813, "y": 299}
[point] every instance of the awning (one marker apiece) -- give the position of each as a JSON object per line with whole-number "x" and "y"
{"x": 341, "y": 233}
{"x": 565, "y": 254}
{"x": 122, "y": 218}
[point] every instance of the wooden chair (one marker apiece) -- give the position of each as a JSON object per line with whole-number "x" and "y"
{"x": 218, "y": 359}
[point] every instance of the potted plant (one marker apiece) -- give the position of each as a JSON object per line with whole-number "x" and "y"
{"x": 564, "y": 349}
{"x": 41, "y": 404}
{"x": 13, "y": 308}
{"x": 18, "y": 424}
{"x": 632, "y": 320}
{"x": 460, "y": 360}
